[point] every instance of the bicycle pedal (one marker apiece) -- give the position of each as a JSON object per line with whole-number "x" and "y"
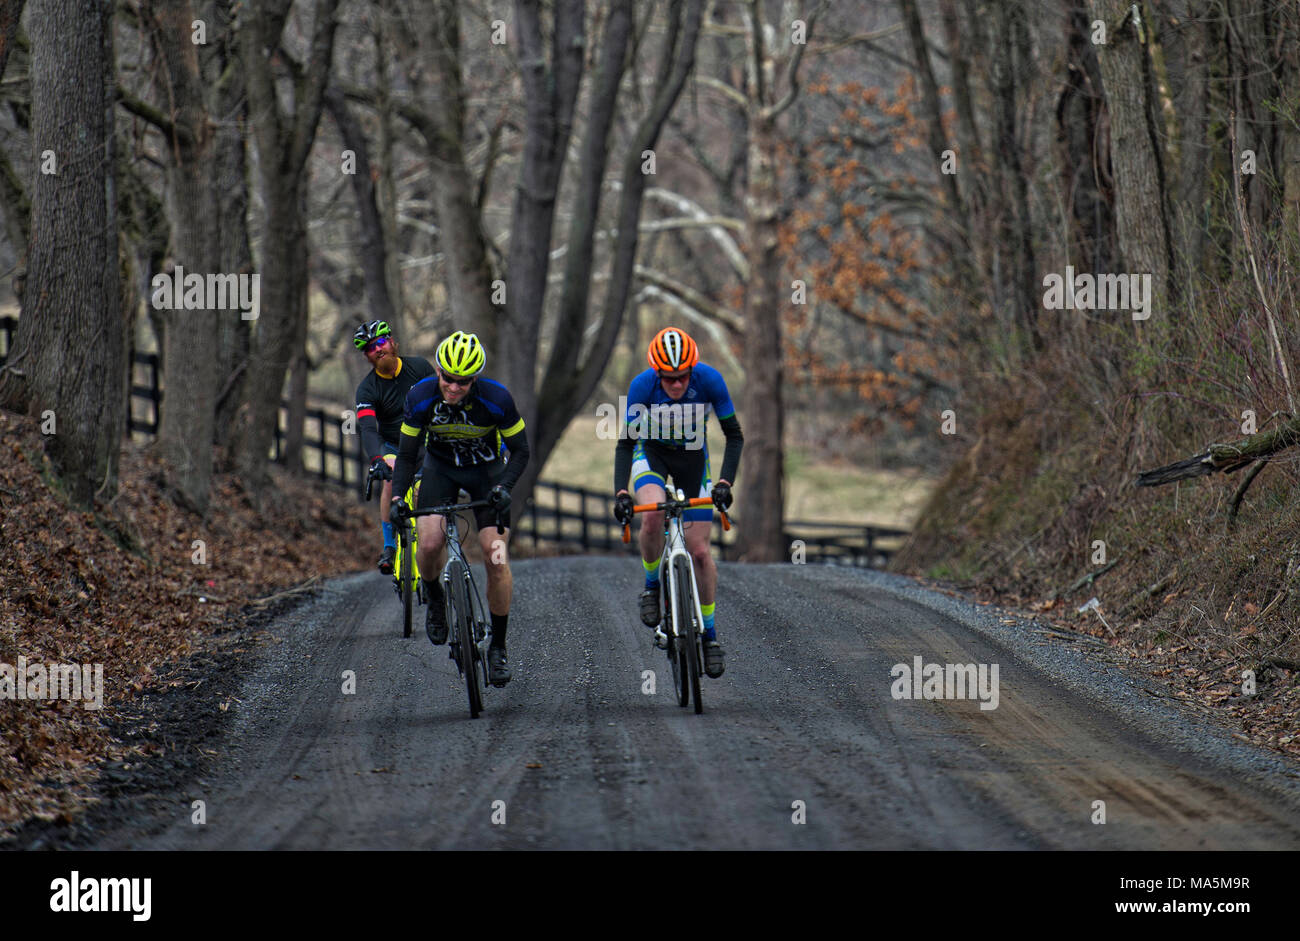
{"x": 661, "y": 639}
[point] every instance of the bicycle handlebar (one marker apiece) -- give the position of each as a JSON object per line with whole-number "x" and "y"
{"x": 669, "y": 504}
{"x": 449, "y": 509}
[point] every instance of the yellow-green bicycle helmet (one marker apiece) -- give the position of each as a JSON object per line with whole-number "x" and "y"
{"x": 461, "y": 354}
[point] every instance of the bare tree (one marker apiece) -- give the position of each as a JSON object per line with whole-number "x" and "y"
{"x": 762, "y": 537}
{"x": 190, "y": 338}
{"x": 284, "y": 142}
{"x": 1141, "y": 217}
{"x": 67, "y": 361}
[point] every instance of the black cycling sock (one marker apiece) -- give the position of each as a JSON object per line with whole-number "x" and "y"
{"x": 499, "y": 629}
{"x": 434, "y": 588}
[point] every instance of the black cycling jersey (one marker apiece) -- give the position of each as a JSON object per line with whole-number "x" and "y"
{"x": 478, "y": 430}
{"x": 381, "y": 403}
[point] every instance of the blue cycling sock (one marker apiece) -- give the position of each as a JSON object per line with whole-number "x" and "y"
{"x": 706, "y": 610}
{"x": 651, "y": 573}
{"x": 390, "y": 542}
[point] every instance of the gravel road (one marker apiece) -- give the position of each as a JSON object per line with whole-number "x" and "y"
{"x": 801, "y": 745}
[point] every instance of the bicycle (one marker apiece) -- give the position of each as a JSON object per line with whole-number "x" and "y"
{"x": 463, "y": 605}
{"x": 406, "y": 573}
{"x": 679, "y": 597}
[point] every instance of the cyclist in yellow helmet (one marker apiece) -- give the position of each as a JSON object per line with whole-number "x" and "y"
{"x": 476, "y": 442}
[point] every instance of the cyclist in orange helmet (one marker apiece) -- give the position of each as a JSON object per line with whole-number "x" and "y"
{"x": 649, "y": 453}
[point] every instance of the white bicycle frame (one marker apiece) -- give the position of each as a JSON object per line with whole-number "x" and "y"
{"x": 674, "y": 547}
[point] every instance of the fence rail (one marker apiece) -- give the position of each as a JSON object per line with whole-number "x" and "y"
{"x": 557, "y": 515}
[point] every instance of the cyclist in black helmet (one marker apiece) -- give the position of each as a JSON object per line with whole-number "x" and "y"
{"x": 381, "y": 398}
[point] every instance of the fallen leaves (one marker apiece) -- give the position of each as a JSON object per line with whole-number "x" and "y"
{"x": 71, "y": 593}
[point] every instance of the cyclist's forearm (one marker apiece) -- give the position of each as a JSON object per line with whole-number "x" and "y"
{"x": 731, "y": 456}
{"x": 519, "y": 453}
{"x": 623, "y": 463}
{"x": 371, "y": 444}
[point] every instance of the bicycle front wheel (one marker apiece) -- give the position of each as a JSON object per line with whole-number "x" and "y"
{"x": 406, "y": 578}
{"x": 690, "y": 639}
{"x": 463, "y": 625}
{"x": 676, "y": 651}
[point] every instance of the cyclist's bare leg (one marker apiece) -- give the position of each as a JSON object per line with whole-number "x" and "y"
{"x": 500, "y": 582}
{"x": 651, "y": 537}
{"x": 697, "y": 544}
{"x": 431, "y": 552}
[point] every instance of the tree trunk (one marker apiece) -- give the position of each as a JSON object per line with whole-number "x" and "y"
{"x": 224, "y": 73}
{"x": 464, "y": 246}
{"x": 374, "y": 246}
{"x": 761, "y": 538}
{"x": 1186, "y": 40}
{"x": 283, "y": 144}
{"x": 1079, "y": 111}
{"x": 11, "y": 12}
{"x": 67, "y": 355}
{"x": 185, "y": 433}
{"x": 1141, "y": 222}
{"x": 549, "y": 96}
{"x": 387, "y": 190}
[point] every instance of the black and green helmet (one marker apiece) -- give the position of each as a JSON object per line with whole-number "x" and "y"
{"x": 368, "y": 333}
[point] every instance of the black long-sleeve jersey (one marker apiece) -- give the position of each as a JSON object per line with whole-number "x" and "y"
{"x": 382, "y": 402}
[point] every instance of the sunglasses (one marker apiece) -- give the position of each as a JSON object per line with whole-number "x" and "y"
{"x": 673, "y": 380}
{"x": 457, "y": 382}
{"x": 374, "y": 345}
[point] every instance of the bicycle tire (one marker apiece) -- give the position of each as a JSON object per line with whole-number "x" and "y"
{"x": 681, "y": 682}
{"x": 464, "y": 626}
{"x": 405, "y": 579}
{"x": 685, "y": 578}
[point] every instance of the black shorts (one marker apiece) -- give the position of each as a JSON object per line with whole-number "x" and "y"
{"x": 443, "y": 483}
{"x": 689, "y": 470}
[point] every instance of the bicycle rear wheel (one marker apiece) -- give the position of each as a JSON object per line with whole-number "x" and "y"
{"x": 685, "y": 578}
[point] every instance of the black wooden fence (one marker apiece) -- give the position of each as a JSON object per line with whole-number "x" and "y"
{"x": 558, "y": 515}
{"x": 565, "y": 515}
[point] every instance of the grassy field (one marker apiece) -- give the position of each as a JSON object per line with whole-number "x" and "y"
{"x": 837, "y": 493}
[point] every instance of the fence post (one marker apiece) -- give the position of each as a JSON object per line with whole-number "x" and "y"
{"x": 532, "y": 513}
{"x": 320, "y": 421}
{"x": 582, "y": 498}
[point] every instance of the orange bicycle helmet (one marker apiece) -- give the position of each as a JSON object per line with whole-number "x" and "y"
{"x": 672, "y": 349}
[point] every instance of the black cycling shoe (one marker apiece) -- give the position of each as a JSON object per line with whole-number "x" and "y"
{"x": 498, "y": 669}
{"x": 650, "y": 607}
{"x": 713, "y": 654}
{"x": 435, "y": 623}
{"x": 386, "y": 560}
